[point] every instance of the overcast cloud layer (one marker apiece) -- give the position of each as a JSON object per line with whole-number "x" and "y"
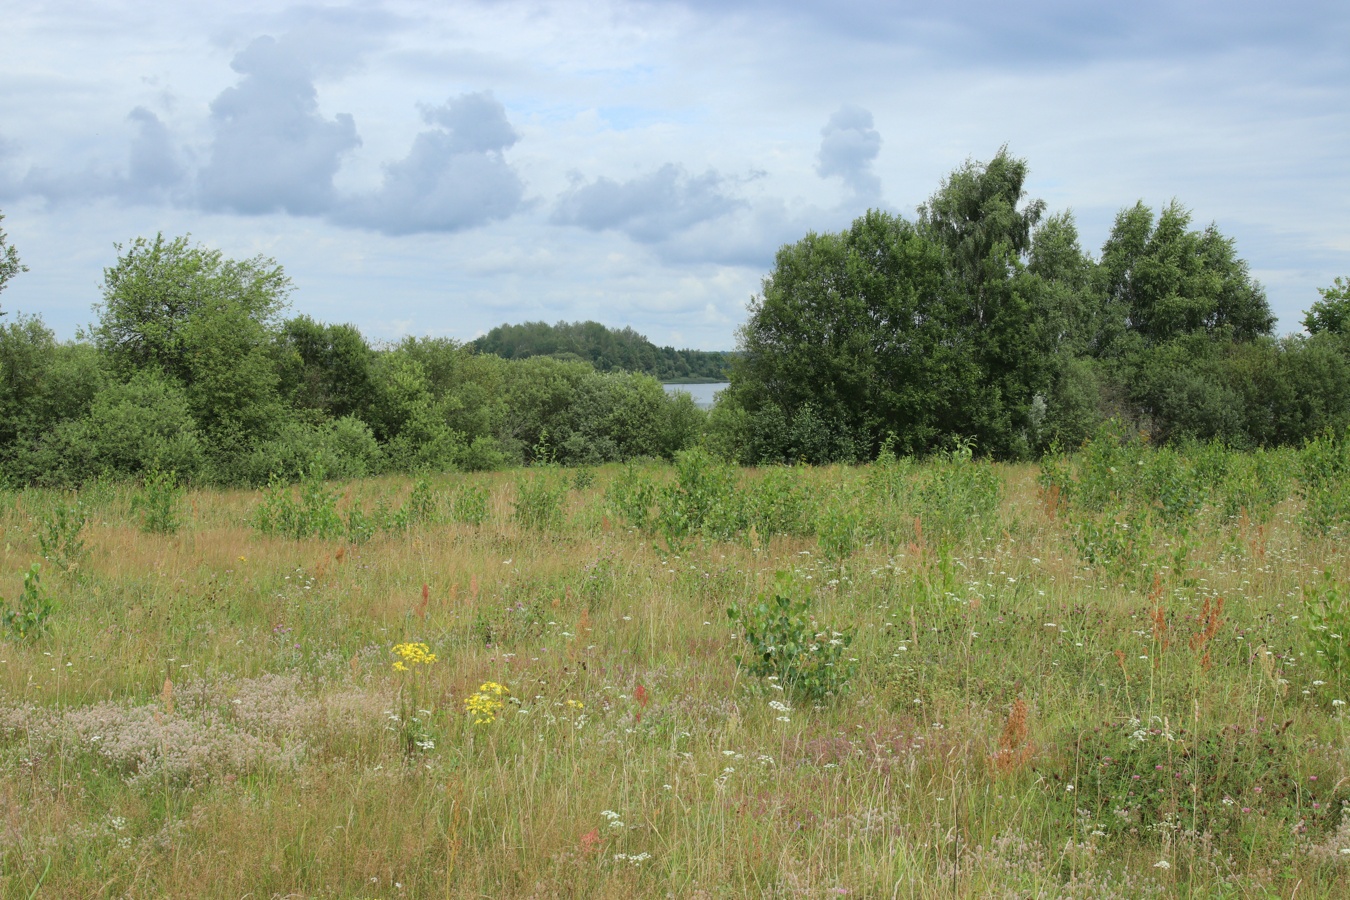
{"x": 441, "y": 168}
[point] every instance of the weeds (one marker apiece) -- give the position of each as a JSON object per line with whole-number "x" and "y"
{"x": 1326, "y": 620}
{"x": 998, "y": 717}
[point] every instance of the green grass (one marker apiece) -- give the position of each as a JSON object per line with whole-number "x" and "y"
{"x": 215, "y": 712}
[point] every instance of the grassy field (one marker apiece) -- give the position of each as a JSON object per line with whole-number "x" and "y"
{"x": 1095, "y": 679}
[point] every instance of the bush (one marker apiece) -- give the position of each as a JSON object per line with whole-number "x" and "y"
{"x": 313, "y": 514}
{"x": 469, "y": 504}
{"x": 157, "y": 503}
{"x": 539, "y": 500}
{"x": 780, "y": 502}
{"x": 704, "y": 499}
{"x": 784, "y": 644}
{"x": 1324, "y": 483}
{"x": 29, "y": 620}
{"x": 345, "y": 448}
{"x": 131, "y": 428}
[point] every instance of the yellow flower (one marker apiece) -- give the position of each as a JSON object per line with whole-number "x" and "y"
{"x": 413, "y": 654}
{"x": 576, "y": 704}
{"x": 486, "y": 702}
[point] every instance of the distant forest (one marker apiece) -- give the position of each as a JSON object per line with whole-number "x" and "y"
{"x": 609, "y": 350}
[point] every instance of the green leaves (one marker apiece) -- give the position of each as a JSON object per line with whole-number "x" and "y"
{"x": 784, "y": 643}
{"x": 9, "y": 259}
{"x": 1331, "y": 313}
{"x": 1326, "y": 623}
{"x": 29, "y": 620}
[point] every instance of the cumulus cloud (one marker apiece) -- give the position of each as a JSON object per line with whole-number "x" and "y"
{"x": 273, "y": 151}
{"x": 650, "y": 208}
{"x": 848, "y": 146}
{"x": 154, "y": 169}
{"x": 153, "y": 172}
{"x": 454, "y": 177}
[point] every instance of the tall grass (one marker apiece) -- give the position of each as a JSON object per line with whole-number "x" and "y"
{"x": 1033, "y": 710}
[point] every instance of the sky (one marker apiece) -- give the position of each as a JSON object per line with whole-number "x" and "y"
{"x": 440, "y": 168}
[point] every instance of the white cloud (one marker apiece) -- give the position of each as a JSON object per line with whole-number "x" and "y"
{"x": 312, "y": 148}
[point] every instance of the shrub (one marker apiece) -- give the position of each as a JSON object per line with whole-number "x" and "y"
{"x": 313, "y": 514}
{"x": 1324, "y": 483}
{"x": 702, "y": 500}
{"x": 469, "y": 504}
{"x": 130, "y": 428}
{"x": 1326, "y": 621}
{"x": 784, "y": 643}
{"x": 345, "y": 448}
{"x": 538, "y": 503}
{"x": 632, "y": 495}
{"x": 59, "y": 533}
{"x": 30, "y": 619}
{"x": 157, "y": 503}
{"x": 780, "y": 502}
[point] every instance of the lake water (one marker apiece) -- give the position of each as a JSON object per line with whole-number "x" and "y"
{"x": 703, "y": 394}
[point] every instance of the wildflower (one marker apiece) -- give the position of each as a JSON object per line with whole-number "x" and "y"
{"x": 412, "y": 655}
{"x": 1162, "y": 864}
{"x": 486, "y": 702}
{"x": 576, "y": 704}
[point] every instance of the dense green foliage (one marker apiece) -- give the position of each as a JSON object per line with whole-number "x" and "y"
{"x": 9, "y": 259}
{"x": 193, "y": 369}
{"x": 986, "y": 321}
{"x": 609, "y": 350}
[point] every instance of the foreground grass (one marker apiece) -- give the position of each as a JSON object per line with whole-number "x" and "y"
{"x": 216, "y": 713}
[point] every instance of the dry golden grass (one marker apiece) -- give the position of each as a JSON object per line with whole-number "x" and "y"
{"x": 216, "y": 714}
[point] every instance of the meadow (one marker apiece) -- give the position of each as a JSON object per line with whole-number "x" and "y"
{"x": 1119, "y": 673}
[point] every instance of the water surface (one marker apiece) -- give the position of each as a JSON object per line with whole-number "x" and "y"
{"x": 703, "y": 394}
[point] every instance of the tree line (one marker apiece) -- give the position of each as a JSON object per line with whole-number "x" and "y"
{"x": 193, "y": 367}
{"x": 984, "y": 322}
{"x": 609, "y": 350}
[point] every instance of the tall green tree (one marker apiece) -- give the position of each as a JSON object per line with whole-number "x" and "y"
{"x": 9, "y": 260}
{"x": 206, "y": 322}
{"x": 1161, "y": 280}
{"x": 985, "y": 225}
{"x": 158, "y": 288}
{"x": 852, "y": 330}
{"x": 1331, "y": 314}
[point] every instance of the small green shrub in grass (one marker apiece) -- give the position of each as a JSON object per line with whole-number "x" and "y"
{"x": 785, "y": 642}
{"x": 583, "y": 478}
{"x": 632, "y": 495}
{"x": 157, "y": 505}
{"x": 1324, "y": 483}
{"x": 314, "y": 514}
{"x": 59, "y": 536}
{"x": 30, "y": 619}
{"x": 469, "y": 504}
{"x": 539, "y": 501}
{"x": 1326, "y": 621}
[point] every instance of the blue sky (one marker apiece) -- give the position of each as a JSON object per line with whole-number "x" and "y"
{"x": 441, "y": 168}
